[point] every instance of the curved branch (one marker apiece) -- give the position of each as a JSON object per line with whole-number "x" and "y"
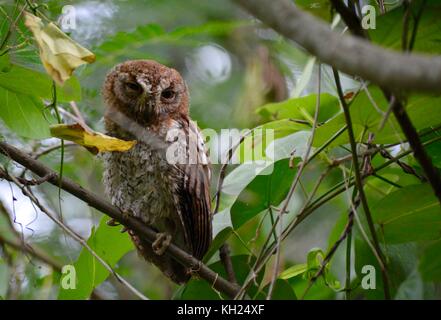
{"x": 350, "y": 54}
{"x": 105, "y": 207}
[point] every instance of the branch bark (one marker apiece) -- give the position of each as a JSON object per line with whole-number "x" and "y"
{"x": 105, "y": 207}
{"x": 350, "y": 54}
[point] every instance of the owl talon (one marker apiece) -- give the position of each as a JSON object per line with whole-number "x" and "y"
{"x": 112, "y": 223}
{"x": 123, "y": 229}
{"x": 161, "y": 243}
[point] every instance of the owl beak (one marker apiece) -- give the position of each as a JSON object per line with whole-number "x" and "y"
{"x": 145, "y": 89}
{"x": 145, "y": 102}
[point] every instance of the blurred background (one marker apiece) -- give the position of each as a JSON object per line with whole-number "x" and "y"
{"x": 232, "y": 66}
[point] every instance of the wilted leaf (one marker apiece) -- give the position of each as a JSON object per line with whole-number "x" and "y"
{"x": 59, "y": 54}
{"x": 93, "y": 141}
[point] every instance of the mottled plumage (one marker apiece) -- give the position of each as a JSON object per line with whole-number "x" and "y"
{"x": 164, "y": 179}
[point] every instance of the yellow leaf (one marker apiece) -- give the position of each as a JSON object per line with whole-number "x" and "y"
{"x": 59, "y": 54}
{"x": 93, "y": 141}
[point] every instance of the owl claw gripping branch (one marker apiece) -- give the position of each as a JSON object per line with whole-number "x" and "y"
{"x": 147, "y": 101}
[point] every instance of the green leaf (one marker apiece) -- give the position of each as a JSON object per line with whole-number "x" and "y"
{"x": 282, "y": 291}
{"x": 423, "y": 110}
{"x": 412, "y": 288}
{"x": 111, "y": 245}
{"x": 29, "y": 82}
{"x": 255, "y": 146}
{"x": 318, "y": 291}
{"x": 402, "y": 259}
{"x": 430, "y": 263}
{"x": 314, "y": 262}
{"x": 389, "y": 28}
{"x": 409, "y": 214}
{"x": 265, "y": 190}
{"x": 301, "y": 108}
{"x": 23, "y": 115}
{"x": 4, "y": 278}
{"x": 217, "y": 242}
{"x": 434, "y": 150}
{"x": 197, "y": 289}
{"x": 338, "y": 228}
{"x": 294, "y": 271}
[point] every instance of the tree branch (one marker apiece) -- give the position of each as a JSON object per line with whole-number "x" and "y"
{"x": 105, "y": 207}
{"x": 348, "y": 53}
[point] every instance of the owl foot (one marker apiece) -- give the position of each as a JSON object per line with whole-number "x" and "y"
{"x": 161, "y": 243}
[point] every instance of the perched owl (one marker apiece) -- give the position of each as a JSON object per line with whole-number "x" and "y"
{"x": 164, "y": 179}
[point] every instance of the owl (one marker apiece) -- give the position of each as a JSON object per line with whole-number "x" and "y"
{"x": 164, "y": 179}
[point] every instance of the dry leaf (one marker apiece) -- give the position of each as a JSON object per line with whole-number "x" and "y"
{"x": 93, "y": 141}
{"x": 59, "y": 54}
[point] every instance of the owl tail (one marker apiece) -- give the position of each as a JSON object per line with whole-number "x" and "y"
{"x": 169, "y": 267}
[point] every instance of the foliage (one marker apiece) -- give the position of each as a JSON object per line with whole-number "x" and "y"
{"x": 221, "y": 53}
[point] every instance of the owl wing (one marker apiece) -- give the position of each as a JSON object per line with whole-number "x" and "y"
{"x": 194, "y": 205}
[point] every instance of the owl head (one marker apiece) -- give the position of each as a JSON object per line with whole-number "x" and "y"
{"x": 146, "y": 91}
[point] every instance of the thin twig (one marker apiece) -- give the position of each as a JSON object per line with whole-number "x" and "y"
{"x": 76, "y": 237}
{"x": 330, "y": 254}
{"x": 33, "y": 251}
{"x": 293, "y": 187}
{"x": 431, "y": 172}
{"x": 224, "y": 254}
{"x": 359, "y": 183}
{"x": 132, "y": 223}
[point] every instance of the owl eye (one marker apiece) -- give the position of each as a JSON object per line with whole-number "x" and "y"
{"x": 133, "y": 86}
{"x": 168, "y": 94}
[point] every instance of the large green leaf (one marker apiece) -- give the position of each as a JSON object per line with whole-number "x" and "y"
{"x": 401, "y": 262}
{"x": 111, "y": 245}
{"x": 29, "y": 82}
{"x": 430, "y": 263}
{"x": 264, "y": 191}
{"x": 255, "y": 145}
{"x": 282, "y": 291}
{"x": 281, "y": 148}
{"x": 301, "y": 108}
{"x": 409, "y": 214}
{"x": 217, "y": 242}
{"x": 367, "y": 114}
{"x": 389, "y": 28}
{"x": 23, "y": 115}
